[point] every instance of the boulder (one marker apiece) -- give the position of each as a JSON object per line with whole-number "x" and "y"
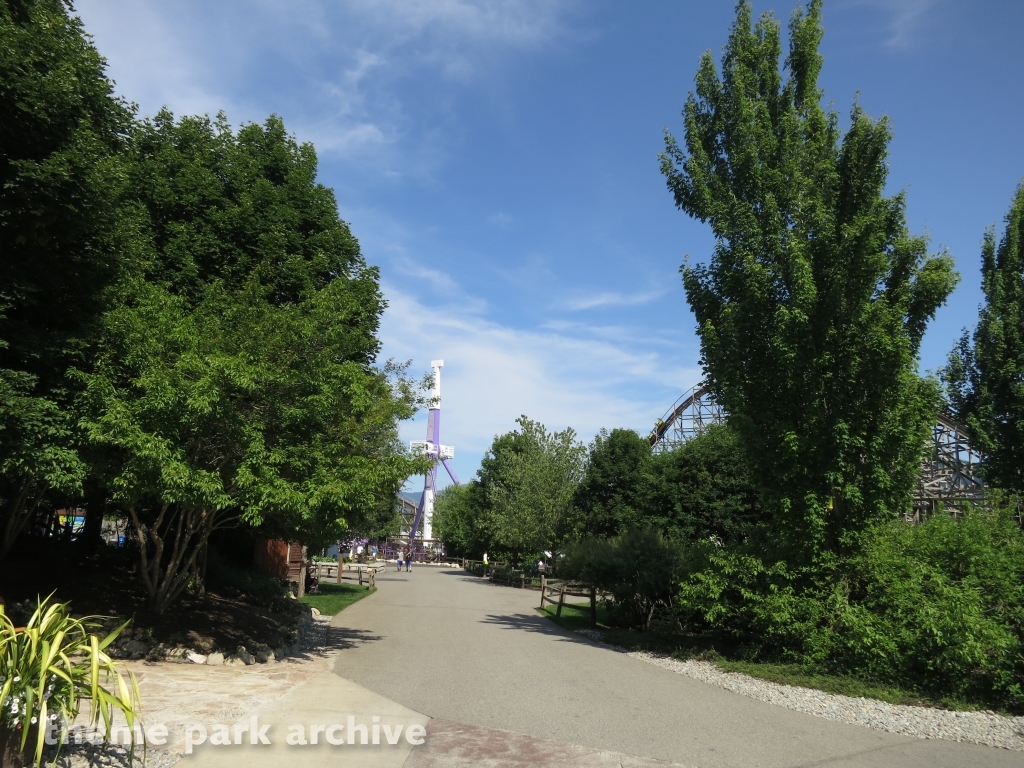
{"x": 195, "y": 658}
{"x": 215, "y": 658}
{"x": 136, "y": 648}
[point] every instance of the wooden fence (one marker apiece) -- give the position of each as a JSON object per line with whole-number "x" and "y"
{"x": 562, "y": 589}
{"x": 364, "y": 574}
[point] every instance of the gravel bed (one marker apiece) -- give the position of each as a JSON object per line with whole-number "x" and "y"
{"x": 923, "y": 722}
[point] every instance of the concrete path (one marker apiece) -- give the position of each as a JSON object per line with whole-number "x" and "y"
{"x": 477, "y": 656}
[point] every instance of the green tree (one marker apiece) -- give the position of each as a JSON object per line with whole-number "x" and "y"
{"x": 459, "y": 520}
{"x": 520, "y": 502}
{"x": 611, "y": 497}
{"x": 986, "y": 377}
{"x": 237, "y": 378}
{"x": 530, "y": 476}
{"x": 812, "y": 308}
{"x": 704, "y": 489}
{"x": 61, "y": 136}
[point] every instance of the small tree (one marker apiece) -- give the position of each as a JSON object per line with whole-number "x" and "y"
{"x": 611, "y": 496}
{"x": 812, "y": 309}
{"x": 704, "y": 489}
{"x": 986, "y": 375}
{"x": 530, "y": 476}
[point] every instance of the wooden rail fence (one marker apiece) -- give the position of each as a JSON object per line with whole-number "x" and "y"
{"x": 364, "y": 574}
{"x": 550, "y": 588}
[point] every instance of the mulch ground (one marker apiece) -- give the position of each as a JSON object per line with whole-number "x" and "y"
{"x": 106, "y": 583}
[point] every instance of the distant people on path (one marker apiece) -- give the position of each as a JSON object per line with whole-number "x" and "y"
{"x": 485, "y": 558}
{"x": 408, "y": 560}
{"x": 399, "y": 556}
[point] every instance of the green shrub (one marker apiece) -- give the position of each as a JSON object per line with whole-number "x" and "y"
{"x": 639, "y": 569}
{"x": 936, "y": 608}
{"x": 939, "y": 605}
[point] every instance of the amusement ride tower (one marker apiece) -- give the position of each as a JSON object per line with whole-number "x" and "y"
{"x": 439, "y": 453}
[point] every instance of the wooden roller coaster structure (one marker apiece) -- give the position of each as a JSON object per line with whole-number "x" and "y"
{"x": 950, "y": 476}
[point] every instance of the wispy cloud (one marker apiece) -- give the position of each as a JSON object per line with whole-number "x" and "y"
{"x": 334, "y": 69}
{"x": 905, "y": 18}
{"x": 494, "y": 373}
{"x": 612, "y": 299}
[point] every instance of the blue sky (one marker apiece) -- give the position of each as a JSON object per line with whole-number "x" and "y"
{"x": 498, "y": 161}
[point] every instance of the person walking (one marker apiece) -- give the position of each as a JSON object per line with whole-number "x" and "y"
{"x": 408, "y": 560}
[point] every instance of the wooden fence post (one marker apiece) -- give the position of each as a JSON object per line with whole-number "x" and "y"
{"x": 561, "y": 602}
{"x": 341, "y": 560}
{"x": 593, "y": 606}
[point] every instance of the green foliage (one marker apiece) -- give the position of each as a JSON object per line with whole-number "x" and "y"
{"x": 939, "y": 606}
{"x": 704, "y": 489}
{"x": 640, "y": 570}
{"x": 53, "y": 665}
{"x": 813, "y": 306}
{"x": 986, "y": 377}
{"x": 61, "y": 137}
{"x": 459, "y": 520}
{"x": 530, "y": 477}
{"x": 521, "y": 501}
{"x": 222, "y": 393}
{"x": 612, "y": 496}
{"x": 935, "y": 608}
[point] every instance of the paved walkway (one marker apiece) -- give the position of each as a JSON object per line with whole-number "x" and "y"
{"x": 477, "y": 657}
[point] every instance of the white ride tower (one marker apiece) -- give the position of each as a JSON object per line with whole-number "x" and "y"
{"x": 439, "y": 453}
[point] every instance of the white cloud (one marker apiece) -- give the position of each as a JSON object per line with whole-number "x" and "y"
{"x": 906, "y": 18}
{"x": 612, "y": 299}
{"x": 494, "y": 373}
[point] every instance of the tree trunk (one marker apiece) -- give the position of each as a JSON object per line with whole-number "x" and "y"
{"x": 170, "y": 549}
{"x": 301, "y": 590}
{"x": 95, "y": 506}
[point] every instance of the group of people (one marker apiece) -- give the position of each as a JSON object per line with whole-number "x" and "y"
{"x": 407, "y": 557}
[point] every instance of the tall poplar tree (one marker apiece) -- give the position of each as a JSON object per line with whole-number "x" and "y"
{"x": 986, "y": 377}
{"x": 813, "y": 306}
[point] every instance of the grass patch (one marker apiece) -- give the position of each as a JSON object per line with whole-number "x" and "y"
{"x": 796, "y": 674}
{"x": 577, "y": 616}
{"x": 334, "y": 598}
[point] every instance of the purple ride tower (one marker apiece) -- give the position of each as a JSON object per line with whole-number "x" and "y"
{"x": 439, "y": 453}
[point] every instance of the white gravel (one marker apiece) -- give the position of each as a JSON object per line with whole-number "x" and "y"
{"x": 923, "y": 722}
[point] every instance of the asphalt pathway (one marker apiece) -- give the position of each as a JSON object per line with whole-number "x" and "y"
{"x": 457, "y": 648}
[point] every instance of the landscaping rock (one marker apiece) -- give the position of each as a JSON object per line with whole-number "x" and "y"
{"x": 216, "y": 659}
{"x": 136, "y": 648}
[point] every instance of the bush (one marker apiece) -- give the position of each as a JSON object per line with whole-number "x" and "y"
{"x": 937, "y": 608}
{"x": 940, "y": 606}
{"x": 640, "y": 569}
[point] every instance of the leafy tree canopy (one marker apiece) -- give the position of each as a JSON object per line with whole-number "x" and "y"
{"x": 61, "y": 135}
{"x": 612, "y": 496}
{"x": 813, "y": 306}
{"x": 237, "y": 376}
{"x": 986, "y": 375}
